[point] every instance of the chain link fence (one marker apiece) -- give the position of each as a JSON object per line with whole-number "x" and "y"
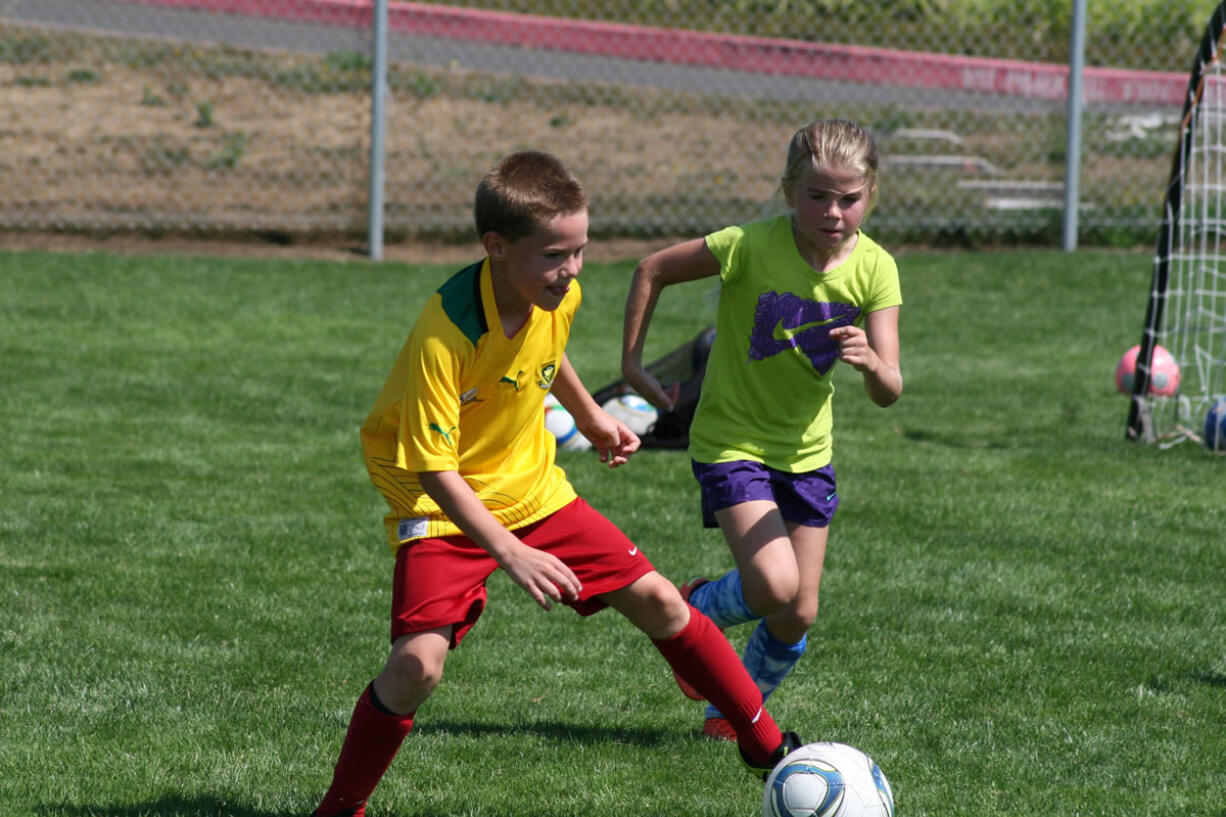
{"x": 250, "y": 117}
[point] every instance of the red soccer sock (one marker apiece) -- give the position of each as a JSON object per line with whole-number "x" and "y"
{"x": 703, "y": 657}
{"x": 373, "y": 738}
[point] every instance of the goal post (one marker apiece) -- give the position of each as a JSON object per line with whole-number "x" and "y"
{"x": 1186, "y": 311}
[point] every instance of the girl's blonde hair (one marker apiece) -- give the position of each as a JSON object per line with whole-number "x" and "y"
{"x": 831, "y": 143}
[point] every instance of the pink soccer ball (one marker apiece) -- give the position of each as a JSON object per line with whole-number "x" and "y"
{"x": 1163, "y": 373}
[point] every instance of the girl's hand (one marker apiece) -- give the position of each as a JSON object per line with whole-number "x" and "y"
{"x": 873, "y": 351}
{"x": 854, "y": 348}
{"x": 649, "y": 388}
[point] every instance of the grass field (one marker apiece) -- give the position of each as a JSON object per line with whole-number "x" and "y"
{"x": 1023, "y": 614}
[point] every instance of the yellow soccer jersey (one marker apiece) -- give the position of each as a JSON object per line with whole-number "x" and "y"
{"x": 464, "y": 397}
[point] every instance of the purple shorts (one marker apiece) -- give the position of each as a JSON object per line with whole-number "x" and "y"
{"x": 807, "y": 498}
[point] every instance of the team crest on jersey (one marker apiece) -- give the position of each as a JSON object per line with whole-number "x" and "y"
{"x": 546, "y": 374}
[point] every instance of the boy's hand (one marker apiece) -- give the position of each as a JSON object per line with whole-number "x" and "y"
{"x": 611, "y": 438}
{"x": 541, "y": 574}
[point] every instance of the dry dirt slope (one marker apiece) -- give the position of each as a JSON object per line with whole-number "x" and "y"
{"x": 116, "y": 136}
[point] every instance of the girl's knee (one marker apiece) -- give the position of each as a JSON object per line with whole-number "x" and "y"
{"x": 794, "y": 620}
{"x": 803, "y": 620}
{"x": 770, "y": 592}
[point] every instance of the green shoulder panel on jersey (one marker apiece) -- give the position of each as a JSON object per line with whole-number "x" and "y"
{"x": 462, "y": 302}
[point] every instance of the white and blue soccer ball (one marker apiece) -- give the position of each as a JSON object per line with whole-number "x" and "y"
{"x": 562, "y": 426}
{"x": 638, "y": 415}
{"x": 1215, "y": 426}
{"x": 827, "y": 780}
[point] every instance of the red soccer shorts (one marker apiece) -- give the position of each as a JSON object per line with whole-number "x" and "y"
{"x": 440, "y": 582}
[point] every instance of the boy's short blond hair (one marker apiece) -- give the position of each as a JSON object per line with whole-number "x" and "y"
{"x": 523, "y": 190}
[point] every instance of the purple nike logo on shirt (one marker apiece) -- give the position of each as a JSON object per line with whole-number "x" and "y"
{"x": 785, "y": 321}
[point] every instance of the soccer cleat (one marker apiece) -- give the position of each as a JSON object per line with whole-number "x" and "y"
{"x": 686, "y": 689}
{"x": 719, "y": 729}
{"x": 791, "y": 742}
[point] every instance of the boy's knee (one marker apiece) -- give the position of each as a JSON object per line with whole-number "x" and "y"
{"x": 410, "y": 676}
{"x": 655, "y": 606}
{"x": 665, "y": 600}
{"x": 415, "y": 670}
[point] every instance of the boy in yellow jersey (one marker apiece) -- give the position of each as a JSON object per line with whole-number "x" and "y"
{"x": 457, "y": 445}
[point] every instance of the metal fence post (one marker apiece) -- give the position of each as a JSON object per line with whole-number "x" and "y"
{"x": 1072, "y": 152}
{"x": 378, "y": 98}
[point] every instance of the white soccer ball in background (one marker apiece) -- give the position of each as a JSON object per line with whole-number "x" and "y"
{"x": 638, "y": 415}
{"x": 562, "y": 426}
{"x": 827, "y": 780}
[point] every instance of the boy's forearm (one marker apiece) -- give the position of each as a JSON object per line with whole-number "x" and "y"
{"x": 462, "y": 506}
{"x": 570, "y": 391}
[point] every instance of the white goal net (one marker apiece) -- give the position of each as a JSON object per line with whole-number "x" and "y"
{"x": 1187, "y": 302}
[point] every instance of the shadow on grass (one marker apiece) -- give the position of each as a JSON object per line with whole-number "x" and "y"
{"x": 206, "y": 806}
{"x": 553, "y": 731}
{"x": 167, "y": 806}
{"x": 171, "y": 806}
{"x": 955, "y": 439}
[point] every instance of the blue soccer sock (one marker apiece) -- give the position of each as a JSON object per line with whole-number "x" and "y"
{"x": 723, "y": 601}
{"x": 768, "y": 661}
